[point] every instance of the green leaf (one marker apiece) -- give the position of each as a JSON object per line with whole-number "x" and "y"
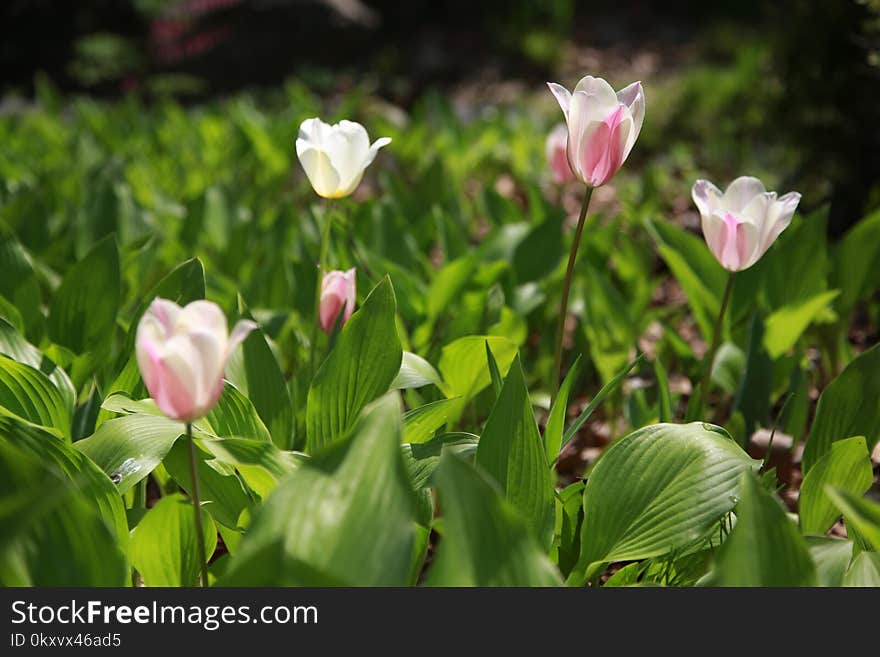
{"x": 129, "y": 448}
{"x": 558, "y": 413}
{"x": 344, "y": 517}
{"x": 864, "y": 571}
{"x": 360, "y": 368}
{"x": 485, "y": 542}
{"x": 831, "y": 557}
{"x": 604, "y": 391}
{"x": 848, "y": 467}
{"x": 855, "y": 262}
{"x": 849, "y": 406}
{"x": 465, "y": 369}
{"x": 658, "y": 489}
{"x": 786, "y": 325}
{"x": 261, "y": 464}
{"x": 51, "y": 534}
{"x": 423, "y": 458}
{"x": 510, "y": 450}
{"x": 15, "y": 346}
{"x": 494, "y": 373}
{"x": 860, "y": 514}
{"x": 415, "y": 372}
{"x": 235, "y": 415}
{"x": 753, "y": 397}
{"x": 420, "y": 424}
{"x": 164, "y": 545}
{"x": 29, "y": 394}
{"x": 765, "y": 547}
{"x": 19, "y": 284}
{"x": 83, "y": 310}
{"x": 664, "y": 397}
{"x": 569, "y": 517}
{"x": 448, "y": 284}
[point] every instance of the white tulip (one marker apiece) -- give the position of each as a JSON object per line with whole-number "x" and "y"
{"x": 334, "y": 156}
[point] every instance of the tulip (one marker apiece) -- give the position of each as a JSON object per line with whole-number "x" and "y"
{"x": 557, "y": 155}
{"x": 334, "y": 157}
{"x": 602, "y": 126}
{"x": 337, "y": 291}
{"x": 741, "y": 224}
{"x": 182, "y": 354}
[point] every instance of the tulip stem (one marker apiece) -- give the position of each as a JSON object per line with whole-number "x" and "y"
{"x": 197, "y": 506}
{"x": 322, "y": 269}
{"x": 716, "y": 337}
{"x": 566, "y": 289}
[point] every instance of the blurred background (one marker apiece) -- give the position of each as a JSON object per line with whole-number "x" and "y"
{"x": 798, "y": 76}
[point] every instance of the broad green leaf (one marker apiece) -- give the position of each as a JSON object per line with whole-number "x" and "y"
{"x": 465, "y": 369}
{"x": 855, "y": 262}
{"x": 569, "y": 516}
{"x": 415, "y": 372}
{"x": 485, "y": 542}
{"x": 494, "y": 373}
{"x": 448, "y": 284}
{"x": 360, "y": 368}
{"x": 658, "y": 489}
{"x": 864, "y": 571}
{"x": 610, "y": 323}
{"x": 546, "y": 239}
{"x": 558, "y": 413}
{"x": 420, "y": 424}
{"x": 83, "y": 312}
{"x": 19, "y": 284}
{"x": 423, "y": 458}
{"x": 849, "y": 406}
{"x": 85, "y": 475}
{"x": 129, "y": 383}
{"x": 14, "y": 345}
{"x": 235, "y": 415}
{"x": 51, "y": 534}
{"x": 29, "y": 394}
{"x": 831, "y": 557}
{"x": 128, "y": 448}
{"x": 860, "y": 514}
{"x": 765, "y": 547}
{"x": 261, "y": 464}
{"x": 728, "y": 368}
{"x": 510, "y": 450}
{"x": 802, "y": 248}
{"x": 786, "y": 325}
{"x": 344, "y": 517}
{"x": 663, "y": 395}
{"x": 222, "y": 493}
{"x": 756, "y": 386}
{"x": 847, "y": 466}
{"x": 164, "y": 545}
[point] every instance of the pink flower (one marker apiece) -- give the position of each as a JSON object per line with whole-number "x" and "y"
{"x": 743, "y": 222}
{"x": 557, "y": 155}
{"x": 182, "y": 354}
{"x": 337, "y": 290}
{"x": 602, "y": 126}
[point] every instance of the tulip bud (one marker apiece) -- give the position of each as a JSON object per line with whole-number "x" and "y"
{"x": 602, "y": 126}
{"x": 741, "y": 224}
{"x": 182, "y": 354}
{"x": 334, "y": 156}
{"x": 557, "y": 155}
{"x": 337, "y": 290}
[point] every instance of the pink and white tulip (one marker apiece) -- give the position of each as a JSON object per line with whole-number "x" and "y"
{"x": 182, "y": 354}
{"x": 334, "y": 157}
{"x": 337, "y": 291}
{"x": 557, "y": 155}
{"x": 740, "y": 224}
{"x": 602, "y": 126}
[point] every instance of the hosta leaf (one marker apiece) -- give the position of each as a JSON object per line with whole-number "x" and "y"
{"x": 164, "y": 545}
{"x": 558, "y": 414}
{"x": 847, "y": 466}
{"x": 128, "y": 448}
{"x": 344, "y": 517}
{"x": 864, "y": 571}
{"x": 465, "y": 368}
{"x": 486, "y": 542}
{"x": 786, "y": 325}
{"x": 831, "y": 557}
{"x": 510, "y": 450}
{"x": 860, "y": 514}
{"x": 423, "y": 458}
{"x": 19, "y": 284}
{"x": 83, "y": 310}
{"x": 657, "y": 489}
{"x": 419, "y": 424}
{"x": 360, "y": 368}
{"x": 235, "y": 415}
{"x": 415, "y": 372}
{"x": 849, "y": 406}
{"x": 765, "y": 547}
{"x": 29, "y": 394}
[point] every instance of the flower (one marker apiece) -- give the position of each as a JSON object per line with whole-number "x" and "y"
{"x": 182, "y": 354}
{"x": 337, "y": 290}
{"x": 557, "y": 155}
{"x": 334, "y": 156}
{"x": 741, "y": 224}
{"x": 602, "y": 126}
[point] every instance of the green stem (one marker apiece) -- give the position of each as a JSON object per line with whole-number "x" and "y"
{"x": 322, "y": 269}
{"x": 140, "y": 494}
{"x": 566, "y": 289}
{"x": 716, "y": 337}
{"x": 197, "y": 506}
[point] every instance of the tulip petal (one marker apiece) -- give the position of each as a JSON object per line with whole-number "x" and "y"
{"x": 320, "y": 172}
{"x": 240, "y": 331}
{"x": 779, "y": 217}
{"x": 740, "y": 192}
{"x": 707, "y": 198}
{"x": 381, "y": 142}
{"x": 563, "y": 97}
{"x": 201, "y": 315}
{"x": 600, "y": 93}
{"x": 633, "y": 96}
{"x": 165, "y": 312}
